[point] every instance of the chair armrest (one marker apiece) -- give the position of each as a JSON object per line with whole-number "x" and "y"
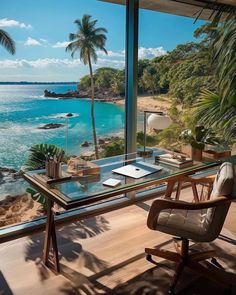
{"x": 197, "y": 180}
{"x": 162, "y": 204}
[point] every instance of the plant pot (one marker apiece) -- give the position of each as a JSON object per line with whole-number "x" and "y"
{"x": 196, "y": 154}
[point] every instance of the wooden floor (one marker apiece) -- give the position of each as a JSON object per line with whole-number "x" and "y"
{"x": 103, "y": 255}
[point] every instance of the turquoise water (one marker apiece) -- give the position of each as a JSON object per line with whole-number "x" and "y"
{"x": 23, "y": 108}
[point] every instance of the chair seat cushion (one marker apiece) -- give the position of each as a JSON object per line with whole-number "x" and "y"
{"x": 183, "y": 223}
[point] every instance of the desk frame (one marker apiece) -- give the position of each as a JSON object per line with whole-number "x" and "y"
{"x": 54, "y": 196}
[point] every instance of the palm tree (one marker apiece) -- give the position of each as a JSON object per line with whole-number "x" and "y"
{"x": 7, "y": 42}
{"x": 87, "y": 40}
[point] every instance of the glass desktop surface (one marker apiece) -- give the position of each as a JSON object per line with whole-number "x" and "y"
{"x": 85, "y": 188}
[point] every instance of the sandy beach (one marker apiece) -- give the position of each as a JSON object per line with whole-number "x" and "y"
{"x": 18, "y": 209}
{"x": 148, "y": 103}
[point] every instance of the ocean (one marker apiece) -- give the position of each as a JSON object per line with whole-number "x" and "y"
{"x": 23, "y": 108}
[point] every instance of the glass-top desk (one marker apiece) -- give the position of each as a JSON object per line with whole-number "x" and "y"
{"x": 82, "y": 190}
{"x": 76, "y": 191}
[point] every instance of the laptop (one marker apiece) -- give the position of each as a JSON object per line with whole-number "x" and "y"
{"x": 138, "y": 169}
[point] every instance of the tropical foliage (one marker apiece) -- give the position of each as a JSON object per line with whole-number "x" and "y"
{"x": 106, "y": 79}
{"x": 39, "y": 153}
{"x": 114, "y": 148}
{"x": 7, "y": 42}
{"x": 181, "y": 74}
{"x": 210, "y": 112}
{"x": 199, "y": 137}
{"x": 218, "y": 109}
{"x": 87, "y": 40}
{"x": 37, "y": 197}
{"x": 224, "y": 45}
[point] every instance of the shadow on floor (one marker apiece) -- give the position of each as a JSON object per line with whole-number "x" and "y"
{"x": 69, "y": 246}
{"x": 4, "y": 287}
{"x": 156, "y": 280}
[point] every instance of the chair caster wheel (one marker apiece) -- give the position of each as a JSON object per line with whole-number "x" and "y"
{"x": 149, "y": 257}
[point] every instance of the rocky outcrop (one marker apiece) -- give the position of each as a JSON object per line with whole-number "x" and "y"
{"x": 51, "y": 126}
{"x": 85, "y": 144}
{"x": 102, "y": 95}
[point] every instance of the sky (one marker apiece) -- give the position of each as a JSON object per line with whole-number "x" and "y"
{"x": 40, "y": 29}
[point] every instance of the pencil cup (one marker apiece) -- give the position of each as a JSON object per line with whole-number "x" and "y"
{"x": 53, "y": 169}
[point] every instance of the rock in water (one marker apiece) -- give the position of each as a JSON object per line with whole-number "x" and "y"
{"x": 85, "y": 144}
{"x": 51, "y": 126}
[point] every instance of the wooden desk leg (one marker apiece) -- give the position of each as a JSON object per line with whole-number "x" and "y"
{"x": 169, "y": 189}
{"x": 50, "y": 236}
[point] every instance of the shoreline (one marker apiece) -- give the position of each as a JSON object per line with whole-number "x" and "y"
{"x": 21, "y": 207}
{"x": 148, "y": 103}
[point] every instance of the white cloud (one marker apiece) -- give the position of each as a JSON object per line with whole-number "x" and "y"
{"x": 5, "y": 22}
{"x": 60, "y": 44}
{"x": 104, "y": 62}
{"x": 32, "y": 42}
{"x": 39, "y": 63}
{"x": 142, "y": 53}
{"x": 111, "y": 53}
{"x": 151, "y": 52}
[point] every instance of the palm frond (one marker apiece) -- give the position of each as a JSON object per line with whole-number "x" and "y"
{"x": 38, "y": 155}
{"x": 87, "y": 40}
{"x": 7, "y": 42}
{"x": 224, "y": 48}
{"x": 210, "y": 112}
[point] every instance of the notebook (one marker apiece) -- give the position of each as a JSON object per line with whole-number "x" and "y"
{"x": 112, "y": 182}
{"x": 138, "y": 169}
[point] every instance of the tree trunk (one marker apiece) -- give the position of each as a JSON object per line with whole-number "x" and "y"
{"x": 92, "y": 108}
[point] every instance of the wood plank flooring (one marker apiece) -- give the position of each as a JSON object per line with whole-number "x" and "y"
{"x": 97, "y": 256}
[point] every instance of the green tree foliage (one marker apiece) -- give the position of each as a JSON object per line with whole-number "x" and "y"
{"x": 106, "y": 79}
{"x": 150, "y": 80}
{"x": 114, "y": 148}
{"x": 151, "y": 139}
{"x": 85, "y": 82}
{"x": 190, "y": 73}
{"x": 169, "y": 137}
{"x": 118, "y": 83}
{"x": 182, "y": 73}
{"x": 103, "y": 77}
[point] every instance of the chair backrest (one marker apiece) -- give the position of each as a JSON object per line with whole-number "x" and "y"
{"x": 223, "y": 186}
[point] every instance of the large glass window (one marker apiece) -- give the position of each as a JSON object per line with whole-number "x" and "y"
{"x": 179, "y": 77}
{"x": 46, "y": 94}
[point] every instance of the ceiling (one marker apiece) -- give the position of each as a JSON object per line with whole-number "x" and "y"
{"x": 192, "y": 8}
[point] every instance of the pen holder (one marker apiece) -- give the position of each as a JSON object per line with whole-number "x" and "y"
{"x": 53, "y": 169}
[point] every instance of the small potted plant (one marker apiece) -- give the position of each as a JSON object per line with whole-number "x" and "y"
{"x": 197, "y": 140}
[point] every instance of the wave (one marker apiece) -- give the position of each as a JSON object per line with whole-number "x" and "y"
{"x": 10, "y": 109}
{"x": 63, "y": 116}
{"x": 41, "y": 97}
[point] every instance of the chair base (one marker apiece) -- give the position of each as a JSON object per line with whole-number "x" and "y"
{"x": 184, "y": 259}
